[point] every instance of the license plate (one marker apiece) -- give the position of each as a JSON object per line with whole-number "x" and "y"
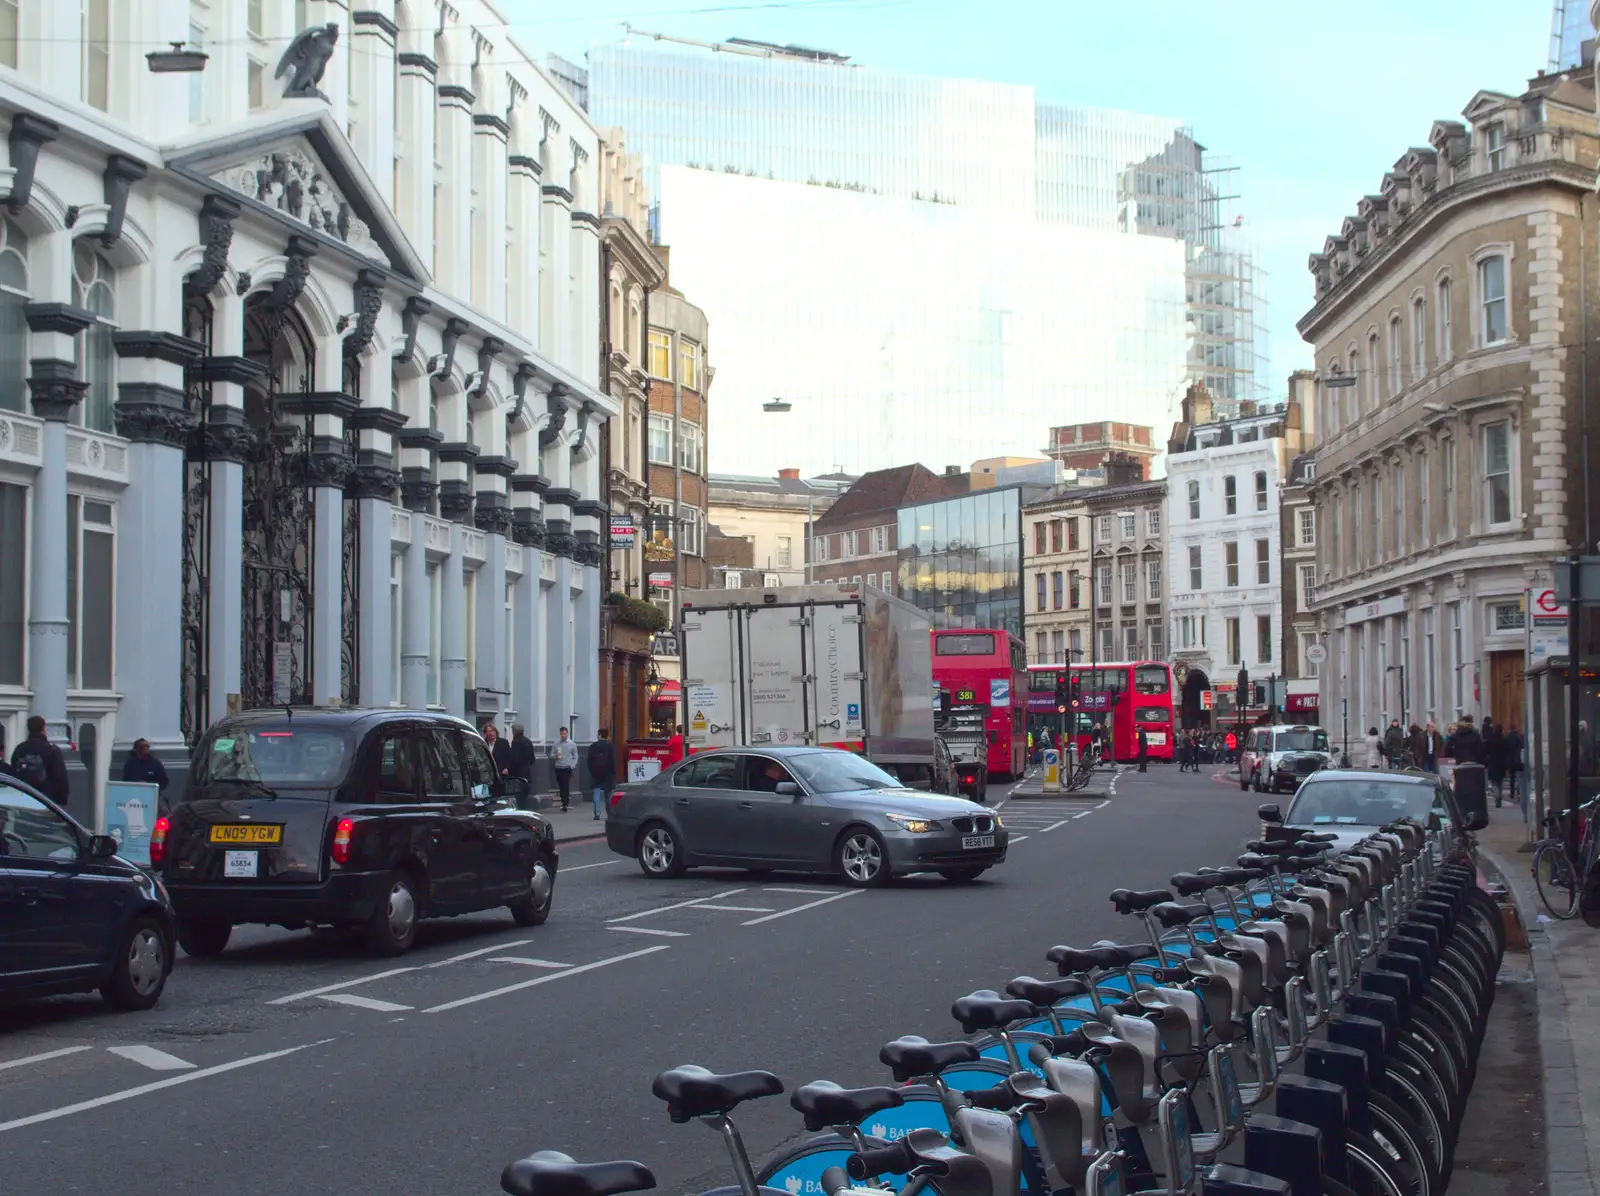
{"x": 239, "y": 864}
{"x": 1156, "y": 738}
{"x": 973, "y": 841}
{"x": 239, "y": 832}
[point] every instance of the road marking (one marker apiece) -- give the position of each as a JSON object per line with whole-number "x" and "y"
{"x": 27, "y": 1059}
{"x": 739, "y": 909}
{"x": 1103, "y": 804}
{"x": 1018, "y": 838}
{"x": 537, "y": 980}
{"x": 333, "y": 988}
{"x": 532, "y": 963}
{"x": 479, "y": 952}
{"x": 666, "y": 934}
{"x": 798, "y": 908}
{"x": 367, "y": 1003}
{"x": 155, "y": 1086}
{"x": 1053, "y": 825}
{"x": 153, "y": 1059}
{"x": 581, "y": 867}
{"x": 661, "y": 909}
{"x": 1085, "y": 814}
{"x": 776, "y": 889}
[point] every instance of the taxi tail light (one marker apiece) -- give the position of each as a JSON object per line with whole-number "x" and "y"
{"x": 158, "y": 840}
{"x": 341, "y": 840}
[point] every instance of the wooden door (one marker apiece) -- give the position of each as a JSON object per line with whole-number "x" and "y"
{"x": 1505, "y": 688}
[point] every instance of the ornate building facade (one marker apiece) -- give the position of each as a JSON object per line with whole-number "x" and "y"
{"x": 300, "y": 373}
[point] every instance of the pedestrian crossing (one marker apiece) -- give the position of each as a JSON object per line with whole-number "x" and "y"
{"x": 1024, "y": 817}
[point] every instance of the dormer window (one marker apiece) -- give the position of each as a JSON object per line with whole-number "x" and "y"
{"x": 1494, "y": 145}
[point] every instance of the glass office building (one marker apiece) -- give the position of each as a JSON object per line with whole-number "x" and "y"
{"x": 1569, "y": 29}
{"x": 927, "y": 269}
{"x": 960, "y": 559}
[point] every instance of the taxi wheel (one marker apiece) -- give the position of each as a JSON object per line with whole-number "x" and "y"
{"x": 393, "y": 926}
{"x": 203, "y": 938}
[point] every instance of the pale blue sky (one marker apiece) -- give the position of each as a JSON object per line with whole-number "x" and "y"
{"x": 1314, "y": 99}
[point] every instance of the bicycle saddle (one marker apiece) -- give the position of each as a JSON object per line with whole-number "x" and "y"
{"x": 912, "y": 1056}
{"x": 1130, "y": 901}
{"x": 1044, "y": 993}
{"x": 1257, "y": 861}
{"x": 1189, "y": 883}
{"x": 551, "y": 1173}
{"x": 1171, "y": 913}
{"x": 988, "y": 1010}
{"x": 1092, "y": 959}
{"x": 823, "y": 1103}
{"x": 692, "y": 1091}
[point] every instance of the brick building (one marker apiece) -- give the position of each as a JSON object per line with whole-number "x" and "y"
{"x": 1086, "y": 446}
{"x": 856, "y": 538}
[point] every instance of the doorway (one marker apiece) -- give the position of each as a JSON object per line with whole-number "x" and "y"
{"x": 1506, "y": 687}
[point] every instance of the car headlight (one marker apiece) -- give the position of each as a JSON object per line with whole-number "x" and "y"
{"x": 917, "y": 826}
{"x": 997, "y": 821}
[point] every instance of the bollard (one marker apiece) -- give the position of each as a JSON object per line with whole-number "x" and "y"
{"x": 1052, "y": 771}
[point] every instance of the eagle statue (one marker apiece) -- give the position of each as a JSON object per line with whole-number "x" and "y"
{"x": 305, "y": 60}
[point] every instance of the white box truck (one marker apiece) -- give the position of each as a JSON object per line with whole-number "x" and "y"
{"x": 844, "y": 666}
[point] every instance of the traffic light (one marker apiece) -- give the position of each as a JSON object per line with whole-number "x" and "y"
{"x": 1063, "y": 692}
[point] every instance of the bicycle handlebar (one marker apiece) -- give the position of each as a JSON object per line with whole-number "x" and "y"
{"x": 1001, "y": 1097}
{"x": 883, "y": 1160}
{"x": 835, "y": 1181}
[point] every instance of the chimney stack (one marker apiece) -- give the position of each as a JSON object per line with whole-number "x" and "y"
{"x": 788, "y": 475}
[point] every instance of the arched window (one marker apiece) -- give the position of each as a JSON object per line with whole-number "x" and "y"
{"x": 1372, "y": 371}
{"x": 1444, "y": 320}
{"x": 94, "y": 289}
{"x": 13, "y": 317}
{"x": 1355, "y": 388}
{"x": 1394, "y": 356}
{"x": 1419, "y": 338}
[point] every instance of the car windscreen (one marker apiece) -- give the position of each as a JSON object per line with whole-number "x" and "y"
{"x": 1309, "y": 740}
{"x": 839, "y": 772}
{"x": 273, "y": 756}
{"x": 1361, "y": 801}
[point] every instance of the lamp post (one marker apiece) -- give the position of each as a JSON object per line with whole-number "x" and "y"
{"x": 782, "y": 406}
{"x": 1401, "y": 669}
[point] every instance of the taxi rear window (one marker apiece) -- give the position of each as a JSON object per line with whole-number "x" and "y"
{"x": 273, "y": 756}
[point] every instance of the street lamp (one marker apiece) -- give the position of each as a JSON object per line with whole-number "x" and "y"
{"x": 1401, "y": 669}
{"x": 781, "y": 406}
{"x": 652, "y": 681}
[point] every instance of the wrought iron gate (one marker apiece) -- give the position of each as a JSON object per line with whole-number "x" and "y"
{"x": 195, "y": 713}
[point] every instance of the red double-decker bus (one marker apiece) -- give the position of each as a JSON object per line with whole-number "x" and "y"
{"x": 1122, "y": 697}
{"x": 988, "y": 669}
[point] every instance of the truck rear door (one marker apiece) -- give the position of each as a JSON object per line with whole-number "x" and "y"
{"x": 838, "y": 686}
{"x": 711, "y": 653}
{"x": 775, "y": 669}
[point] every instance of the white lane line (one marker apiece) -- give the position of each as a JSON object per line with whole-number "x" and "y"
{"x": 1085, "y": 814}
{"x": 581, "y": 867}
{"x": 155, "y": 1086}
{"x": 661, "y": 909}
{"x": 367, "y": 1003}
{"x": 1053, "y": 825}
{"x": 1103, "y": 804}
{"x": 153, "y": 1059}
{"x": 776, "y": 889}
{"x": 739, "y": 909}
{"x": 481, "y": 951}
{"x": 1018, "y": 838}
{"x": 333, "y": 988}
{"x": 797, "y": 909}
{"x": 28, "y": 1059}
{"x": 532, "y": 963}
{"x": 666, "y": 934}
{"x": 537, "y": 980}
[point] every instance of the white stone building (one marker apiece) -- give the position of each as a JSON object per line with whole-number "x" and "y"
{"x": 1223, "y": 571}
{"x": 299, "y": 371}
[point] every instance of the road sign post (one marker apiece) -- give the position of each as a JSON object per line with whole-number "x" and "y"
{"x": 1052, "y": 771}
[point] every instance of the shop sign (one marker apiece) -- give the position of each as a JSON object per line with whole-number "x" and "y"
{"x": 1303, "y": 702}
{"x": 1546, "y": 629}
{"x": 660, "y": 581}
{"x": 623, "y": 532}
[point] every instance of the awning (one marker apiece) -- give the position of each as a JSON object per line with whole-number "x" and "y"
{"x": 671, "y": 691}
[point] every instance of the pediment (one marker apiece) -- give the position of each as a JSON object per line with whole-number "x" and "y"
{"x": 305, "y": 171}
{"x": 1486, "y": 103}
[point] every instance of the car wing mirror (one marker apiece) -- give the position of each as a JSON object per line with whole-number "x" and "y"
{"x": 787, "y": 789}
{"x": 102, "y": 847}
{"x": 1270, "y": 813}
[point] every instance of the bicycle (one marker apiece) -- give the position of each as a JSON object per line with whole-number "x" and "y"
{"x": 1557, "y": 878}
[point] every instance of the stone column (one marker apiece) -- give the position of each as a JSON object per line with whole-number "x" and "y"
{"x": 373, "y": 92}
{"x": 523, "y": 202}
{"x": 372, "y": 486}
{"x": 585, "y": 265}
{"x": 327, "y": 576}
{"x": 527, "y": 677}
{"x": 152, "y": 414}
{"x": 453, "y": 238}
{"x": 489, "y": 134}
{"x": 419, "y": 494}
{"x": 413, "y": 201}
{"x": 55, "y": 389}
{"x": 453, "y": 626}
{"x": 588, "y": 518}
{"x": 555, "y": 315}
{"x": 494, "y": 517}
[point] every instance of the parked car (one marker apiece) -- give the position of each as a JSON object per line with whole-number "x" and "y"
{"x": 74, "y": 915}
{"x": 799, "y": 809}
{"x": 1351, "y": 803}
{"x": 361, "y": 820}
{"x": 1281, "y": 756}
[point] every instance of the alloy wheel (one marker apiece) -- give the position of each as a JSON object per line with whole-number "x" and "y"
{"x": 862, "y": 858}
{"x": 658, "y": 849}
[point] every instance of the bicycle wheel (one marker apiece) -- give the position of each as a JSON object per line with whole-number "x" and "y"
{"x": 1372, "y": 1173}
{"x": 1396, "y": 1134}
{"x": 1555, "y": 879}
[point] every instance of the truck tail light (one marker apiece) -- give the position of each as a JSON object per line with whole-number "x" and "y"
{"x": 158, "y": 840}
{"x": 341, "y": 841}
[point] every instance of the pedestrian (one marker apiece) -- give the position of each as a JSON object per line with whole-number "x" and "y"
{"x": 1514, "y": 746}
{"x": 1494, "y": 760}
{"x": 499, "y": 749}
{"x": 522, "y": 758}
{"x": 39, "y": 763}
{"x": 1467, "y": 746}
{"x": 141, "y": 766}
{"x": 564, "y": 757}
{"x": 675, "y": 746}
{"x": 1374, "y": 746}
{"x": 602, "y": 761}
{"x": 1432, "y": 748}
{"x": 1230, "y": 744}
{"x": 1414, "y": 746}
{"x": 1143, "y": 742}
{"x": 1393, "y": 743}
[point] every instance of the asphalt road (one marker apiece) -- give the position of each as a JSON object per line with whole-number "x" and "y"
{"x": 294, "y": 1067}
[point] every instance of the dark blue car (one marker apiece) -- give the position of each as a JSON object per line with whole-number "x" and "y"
{"x": 75, "y": 916}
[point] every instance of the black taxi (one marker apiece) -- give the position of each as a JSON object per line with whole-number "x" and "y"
{"x": 351, "y": 819}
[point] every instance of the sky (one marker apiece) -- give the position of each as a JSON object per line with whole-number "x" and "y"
{"x": 1312, "y": 99}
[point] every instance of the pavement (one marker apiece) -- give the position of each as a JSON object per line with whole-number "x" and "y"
{"x": 299, "y": 1067}
{"x": 1565, "y": 960}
